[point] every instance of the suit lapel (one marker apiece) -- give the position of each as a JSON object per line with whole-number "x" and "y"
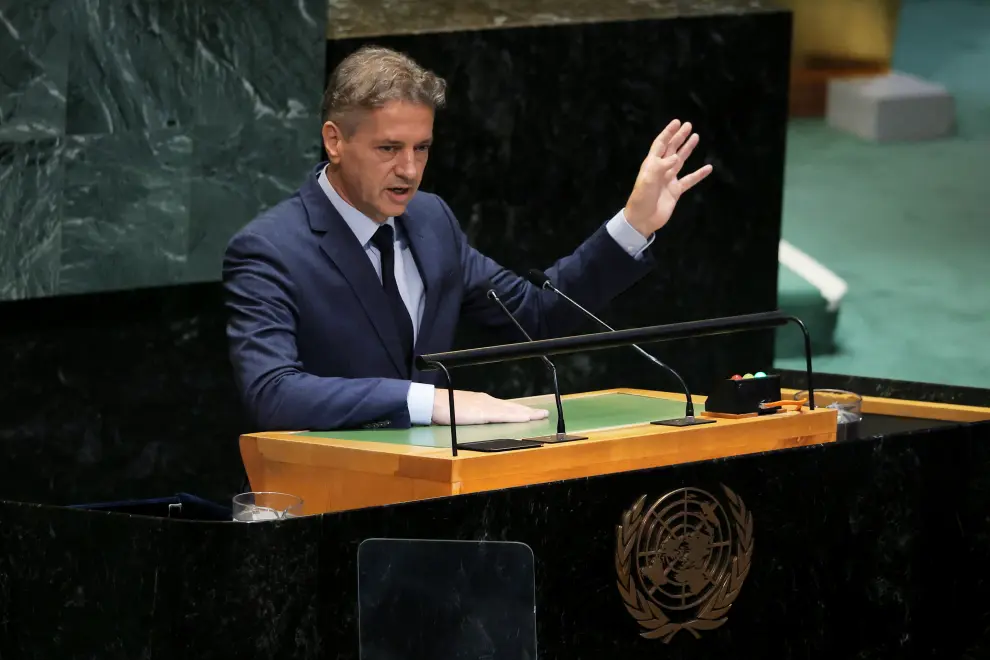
{"x": 425, "y": 249}
{"x": 343, "y": 248}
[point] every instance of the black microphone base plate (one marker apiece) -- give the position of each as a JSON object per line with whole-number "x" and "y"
{"x": 498, "y": 444}
{"x": 558, "y": 437}
{"x": 684, "y": 421}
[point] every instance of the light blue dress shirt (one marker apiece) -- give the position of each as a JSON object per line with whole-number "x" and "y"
{"x": 410, "y": 283}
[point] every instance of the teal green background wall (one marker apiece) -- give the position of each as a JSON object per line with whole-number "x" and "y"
{"x": 907, "y": 225}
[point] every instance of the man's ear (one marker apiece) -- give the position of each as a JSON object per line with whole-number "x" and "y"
{"x": 333, "y": 136}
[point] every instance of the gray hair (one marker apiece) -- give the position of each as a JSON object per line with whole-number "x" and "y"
{"x": 372, "y": 76}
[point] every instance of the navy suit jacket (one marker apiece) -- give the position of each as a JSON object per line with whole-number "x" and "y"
{"x": 311, "y": 339}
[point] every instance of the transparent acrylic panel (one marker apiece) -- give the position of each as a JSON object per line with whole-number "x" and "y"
{"x": 456, "y": 600}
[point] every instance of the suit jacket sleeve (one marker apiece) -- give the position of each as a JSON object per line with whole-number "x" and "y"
{"x": 261, "y": 333}
{"x": 594, "y": 274}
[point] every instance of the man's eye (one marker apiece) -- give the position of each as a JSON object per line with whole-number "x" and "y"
{"x": 388, "y": 149}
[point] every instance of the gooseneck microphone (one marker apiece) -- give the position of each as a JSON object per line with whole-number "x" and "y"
{"x": 561, "y": 435}
{"x": 539, "y": 278}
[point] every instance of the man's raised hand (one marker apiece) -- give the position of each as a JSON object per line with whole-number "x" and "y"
{"x": 658, "y": 186}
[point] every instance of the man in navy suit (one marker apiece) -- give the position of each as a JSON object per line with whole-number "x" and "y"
{"x": 332, "y": 292}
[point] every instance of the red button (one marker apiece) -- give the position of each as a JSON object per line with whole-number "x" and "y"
{"x": 737, "y": 377}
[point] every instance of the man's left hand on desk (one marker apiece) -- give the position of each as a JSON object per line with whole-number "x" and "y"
{"x": 480, "y": 408}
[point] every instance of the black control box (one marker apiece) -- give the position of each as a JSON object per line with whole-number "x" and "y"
{"x": 742, "y": 395}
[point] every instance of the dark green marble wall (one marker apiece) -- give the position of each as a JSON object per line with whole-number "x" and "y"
{"x": 137, "y": 135}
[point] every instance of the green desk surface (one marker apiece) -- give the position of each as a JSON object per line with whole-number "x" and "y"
{"x": 583, "y": 414}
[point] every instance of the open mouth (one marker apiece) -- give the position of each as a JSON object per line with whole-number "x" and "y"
{"x": 399, "y": 192}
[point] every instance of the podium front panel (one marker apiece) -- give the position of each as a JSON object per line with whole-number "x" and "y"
{"x": 446, "y": 599}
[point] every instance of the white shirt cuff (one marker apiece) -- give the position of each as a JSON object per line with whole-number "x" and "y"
{"x": 420, "y": 403}
{"x": 626, "y": 236}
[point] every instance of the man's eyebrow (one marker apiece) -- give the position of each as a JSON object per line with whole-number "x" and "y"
{"x": 391, "y": 142}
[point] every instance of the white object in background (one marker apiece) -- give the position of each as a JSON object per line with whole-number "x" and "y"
{"x": 831, "y": 286}
{"x": 895, "y": 106}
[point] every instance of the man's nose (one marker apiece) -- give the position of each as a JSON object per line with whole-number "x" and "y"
{"x": 406, "y": 165}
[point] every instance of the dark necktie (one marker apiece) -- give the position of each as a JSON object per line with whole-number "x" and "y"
{"x": 384, "y": 241}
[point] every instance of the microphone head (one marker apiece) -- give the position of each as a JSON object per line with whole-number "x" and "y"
{"x": 492, "y": 295}
{"x": 538, "y": 278}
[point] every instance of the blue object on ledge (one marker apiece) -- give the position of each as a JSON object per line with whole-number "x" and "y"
{"x": 181, "y": 506}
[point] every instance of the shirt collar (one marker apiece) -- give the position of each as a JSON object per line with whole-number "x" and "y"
{"x": 362, "y": 226}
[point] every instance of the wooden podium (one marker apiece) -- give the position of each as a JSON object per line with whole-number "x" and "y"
{"x": 336, "y": 471}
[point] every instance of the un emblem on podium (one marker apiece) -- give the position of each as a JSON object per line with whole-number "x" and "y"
{"x": 682, "y": 562}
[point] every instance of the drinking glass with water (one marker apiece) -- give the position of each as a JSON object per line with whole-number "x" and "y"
{"x": 265, "y": 506}
{"x": 849, "y": 407}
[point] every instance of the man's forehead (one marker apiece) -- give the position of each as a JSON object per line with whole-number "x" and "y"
{"x": 399, "y": 132}
{"x": 399, "y": 118}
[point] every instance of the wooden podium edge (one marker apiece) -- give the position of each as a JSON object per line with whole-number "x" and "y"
{"x": 947, "y": 412}
{"x": 335, "y": 475}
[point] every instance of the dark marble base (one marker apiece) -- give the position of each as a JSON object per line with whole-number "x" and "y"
{"x": 865, "y": 549}
{"x": 117, "y": 396}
